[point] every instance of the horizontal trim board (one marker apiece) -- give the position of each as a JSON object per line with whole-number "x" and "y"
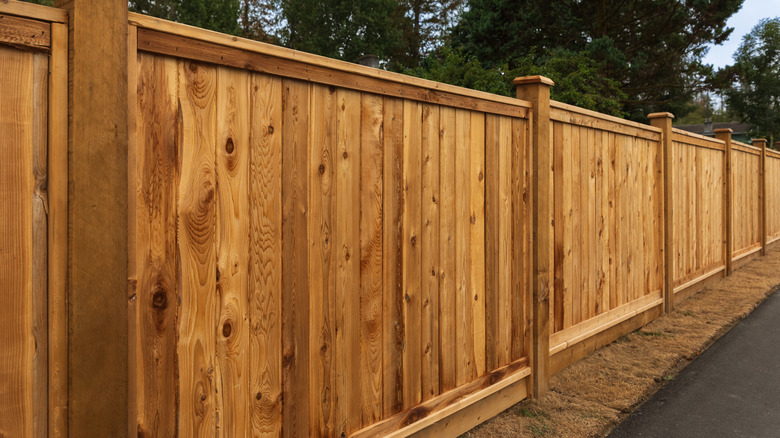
{"x": 306, "y": 62}
{"x": 574, "y": 115}
{"x": 693, "y": 136}
{"x": 24, "y": 32}
{"x": 773, "y": 239}
{"x": 772, "y": 153}
{"x": 698, "y": 279}
{"x": 565, "y": 338}
{"x": 699, "y": 143}
{"x": 31, "y": 10}
{"x": 744, "y": 252}
{"x": 742, "y": 147}
{"x": 435, "y": 409}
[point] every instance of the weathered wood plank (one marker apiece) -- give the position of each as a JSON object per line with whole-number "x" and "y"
{"x": 17, "y": 345}
{"x": 233, "y": 225}
{"x": 295, "y": 260}
{"x": 157, "y": 174}
{"x": 430, "y": 251}
{"x": 265, "y": 240}
{"x": 371, "y": 203}
{"x": 322, "y": 262}
{"x": 196, "y": 242}
{"x": 393, "y": 216}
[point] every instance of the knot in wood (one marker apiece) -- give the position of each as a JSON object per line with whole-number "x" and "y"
{"x": 229, "y": 146}
{"x": 160, "y": 299}
{"x": 227, "y": 329}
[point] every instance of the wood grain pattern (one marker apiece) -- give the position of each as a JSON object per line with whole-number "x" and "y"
{"x": 371, "y": 203}
{"x": 295, "y": 251}
{"x": 412, "y": 254}
{"x": 158, "y": 171}
{"x": 22, "y": 32}
{"x": 265, "y": 270}
{"x": 476, "y": 144}
{"x": 463, "y": 297}
{"x": 232, "y": 252}
{"x": 196, "y": 234}
{"x": 393, "y": 296}
{"x": 430, "y": 251}
{"x": 17, "y": 346}
{"x": 521, "y": 240}
{"x": 322, "y": 266}
{"x": 447, "y": 238}
{"x": 347, "y": 242}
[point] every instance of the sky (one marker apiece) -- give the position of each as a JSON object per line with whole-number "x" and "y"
{"x": 742, "y": 22}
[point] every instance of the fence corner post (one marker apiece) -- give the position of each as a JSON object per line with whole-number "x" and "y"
{"x": 97, "y": 217}
{"x": 725, "y": 135}
{"x": 663, "y": 121}
{"x": 761, "y": 143}
{"x": 536, "y": 89}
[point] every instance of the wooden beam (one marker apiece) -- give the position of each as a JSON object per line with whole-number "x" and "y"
{"x": 725, "y": 135}
{"x": 762, "y": 204}
{"x": 536, "y": 89}
{"x": 664, "y": 122}
{"x": 97, "y": 271}
{"x": 58, "y": 231}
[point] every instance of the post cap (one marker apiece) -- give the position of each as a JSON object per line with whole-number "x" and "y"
{"x": 660, "y": 116}
{"x": 533, "y": 80}
{"x": 760, "y": 141}
{"x": 719, "y": 130}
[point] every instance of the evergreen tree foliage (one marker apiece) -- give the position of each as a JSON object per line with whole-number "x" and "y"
{"x": 652, "y": 48}
{"x": 756, "y": 95}
{"x": 219, "y": 15}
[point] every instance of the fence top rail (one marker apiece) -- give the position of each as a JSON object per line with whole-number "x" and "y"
{"x": 566, "y": 113}
{"x": 426, "y": 87}
{"x": 744, "y": 147}
{"x": 772, "y": 153}
{"x": 697, "y": 140}
{"x": 31, "y": 10}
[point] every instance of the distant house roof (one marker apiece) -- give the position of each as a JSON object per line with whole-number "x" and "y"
{"x": 709, "y": 128}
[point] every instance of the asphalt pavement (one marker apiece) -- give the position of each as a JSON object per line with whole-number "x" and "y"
{"x": 730, "y": 390}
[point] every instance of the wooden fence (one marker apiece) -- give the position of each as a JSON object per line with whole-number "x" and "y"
{"x": 316, "y": 248}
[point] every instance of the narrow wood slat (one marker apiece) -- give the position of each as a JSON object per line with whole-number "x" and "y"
{"x": 347, "y": 241}
{"x": 322, "y": 260}
{"x": 295, "y": 261}
{"x": 505, "y": 242}
{"x": 521, "y": 239}
{"x": 447, "y": 239}
{"x": 412, "y": 254}
{"x": 476, "y": 176}
{"x": 492, "y": 242}
{"x": 34, "y": 11}
{"x": 196, "y": 243}
{"x": 463, "y": 297}
{"x": 392, "y": 314}
{"x": 265, "y": 240}
{"x": 233, "y": 225}
{"x": 157, "y": 173}
{"x": 371, "y": 203}
{"x": 16, "y": 195}
{"x": 430, "y": 251}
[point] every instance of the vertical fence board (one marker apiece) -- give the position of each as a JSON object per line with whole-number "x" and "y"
{"x": 447, "y": 238}
{"x": 430, "y": 251}
{"x": 463, "y": 296}
{"x": 16, "y": 195}
{"x": 348, "y": 380}
{"x": 233, "y": 223}
{"x": 158, "y": 172}
{"x": 196, "y": 225}
{"x": 371, "y": 160}
{"x": 476, "y": 145}
{"x": 393, "y": 216}
{"x": 295, "y": 269}
{"x": 265, "y": 239}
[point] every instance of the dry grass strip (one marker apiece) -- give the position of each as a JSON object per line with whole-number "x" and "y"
{"x": 590, "y": 397}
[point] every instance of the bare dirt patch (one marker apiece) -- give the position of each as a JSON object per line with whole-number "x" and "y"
{"x": 590, "y": 397}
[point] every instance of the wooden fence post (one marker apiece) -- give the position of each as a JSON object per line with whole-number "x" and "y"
{"x": 536, "y": 89}
{"x": 725, "y": 135}
{"x": 761, "y": 143}
{"x": 664, "y": 122}
{"x": 97, "y": 218}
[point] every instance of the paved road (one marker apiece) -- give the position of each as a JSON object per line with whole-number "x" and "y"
{"x": 731, "y": 390}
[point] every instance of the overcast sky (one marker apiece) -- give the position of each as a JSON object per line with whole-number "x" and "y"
{"x": 742, "y": 22}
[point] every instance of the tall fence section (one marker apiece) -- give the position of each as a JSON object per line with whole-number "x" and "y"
{"x": 317, "y": 248}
